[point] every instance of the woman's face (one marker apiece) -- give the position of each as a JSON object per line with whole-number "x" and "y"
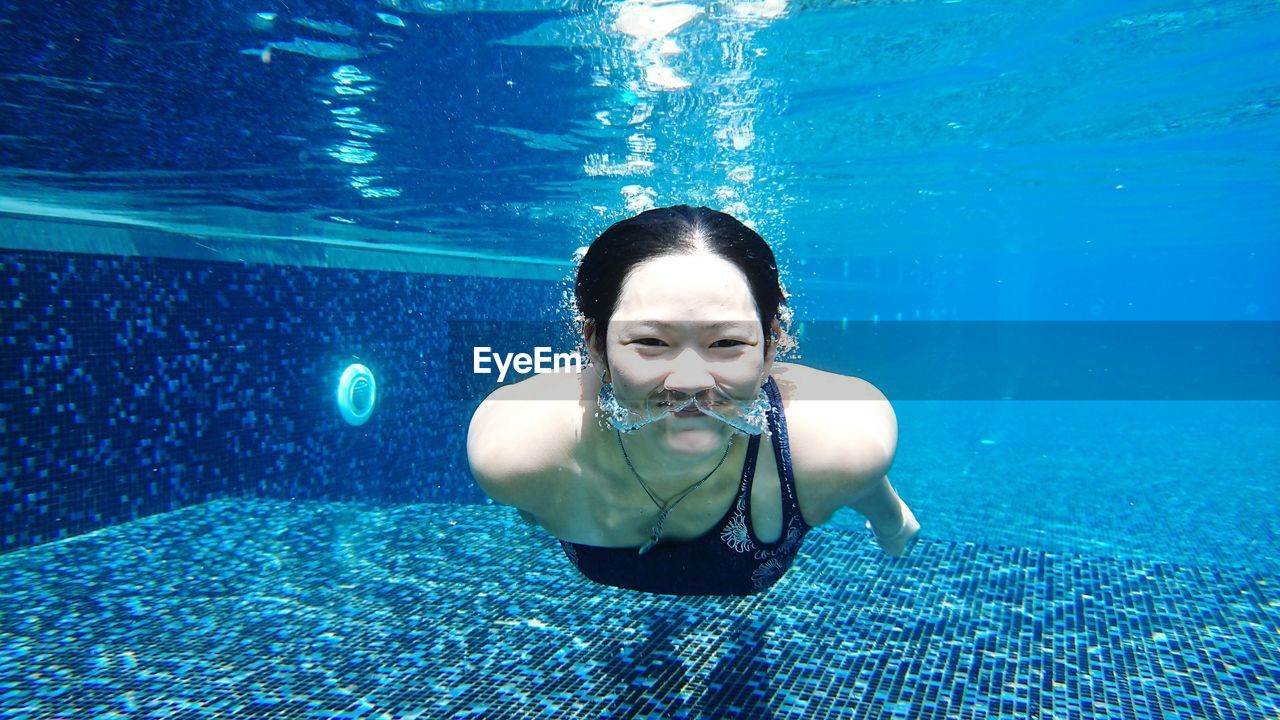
{"x": 686, "y": 325}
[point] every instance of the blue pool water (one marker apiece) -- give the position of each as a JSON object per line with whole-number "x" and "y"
{"x": 1047, "y": 231}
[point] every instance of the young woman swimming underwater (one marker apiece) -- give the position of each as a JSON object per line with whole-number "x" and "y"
{"x": 684, "y": 460}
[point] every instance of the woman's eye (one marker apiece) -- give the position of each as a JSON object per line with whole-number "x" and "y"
{"x": 649, "y": 342}
{"x": 727, "y": 343}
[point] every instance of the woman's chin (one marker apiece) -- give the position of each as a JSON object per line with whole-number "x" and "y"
{"x": 694, "y": 434}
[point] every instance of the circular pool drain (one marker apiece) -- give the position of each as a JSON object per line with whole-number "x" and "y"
{"x": 356, "y": 393}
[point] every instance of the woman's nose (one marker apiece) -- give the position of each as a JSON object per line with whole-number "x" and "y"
{"x": 689, "y": 374}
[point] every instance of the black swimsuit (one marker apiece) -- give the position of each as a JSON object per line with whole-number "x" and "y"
{"x": 728, "y": 559}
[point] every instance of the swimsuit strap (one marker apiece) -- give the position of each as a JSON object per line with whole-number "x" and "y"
{"x": 781, "y": 444}
{"x": 782, "y": 454}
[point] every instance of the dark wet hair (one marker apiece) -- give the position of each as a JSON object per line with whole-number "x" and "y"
{"x": 674, "y": 231}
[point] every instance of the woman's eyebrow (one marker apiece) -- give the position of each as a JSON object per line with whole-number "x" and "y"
{"x": 663, "y": 325}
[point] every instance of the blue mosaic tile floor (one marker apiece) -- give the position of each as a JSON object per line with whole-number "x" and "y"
{"x": 262, "y": 609}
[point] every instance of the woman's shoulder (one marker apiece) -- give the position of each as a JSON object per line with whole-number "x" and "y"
{"x": 803, "y": 383}
{"x": 525, "y": 433}
{"x": 842, "y": 431}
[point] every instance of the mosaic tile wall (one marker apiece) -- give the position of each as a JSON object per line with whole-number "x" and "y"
{"x": 134, "y": 385}
{"x": 130, "y": 386}
{"x": 257, "y": 609}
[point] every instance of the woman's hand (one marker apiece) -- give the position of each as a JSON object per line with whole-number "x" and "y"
{"x": 899, "y": 542}
{"x": 888, "y": 517}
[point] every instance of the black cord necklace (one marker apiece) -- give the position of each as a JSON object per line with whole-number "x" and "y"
{"x": 665, "y": 508}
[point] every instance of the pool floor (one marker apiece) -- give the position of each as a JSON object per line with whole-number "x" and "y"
{"x": 261, "y": 608}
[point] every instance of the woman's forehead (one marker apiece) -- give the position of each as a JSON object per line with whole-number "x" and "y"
{"x": 680, "y": 288}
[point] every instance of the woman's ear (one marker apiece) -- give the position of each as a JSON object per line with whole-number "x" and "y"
{"x": 771, "y": 345}
{"x": 594, "y": 343}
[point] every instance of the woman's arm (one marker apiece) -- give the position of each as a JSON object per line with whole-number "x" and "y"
{"x": 518, "y": 442}
{"x": 863, "y": 480}
{"x": 888, "y": 517}
{"x": 502, "y": 449}
{"x": 844, "y": 442}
